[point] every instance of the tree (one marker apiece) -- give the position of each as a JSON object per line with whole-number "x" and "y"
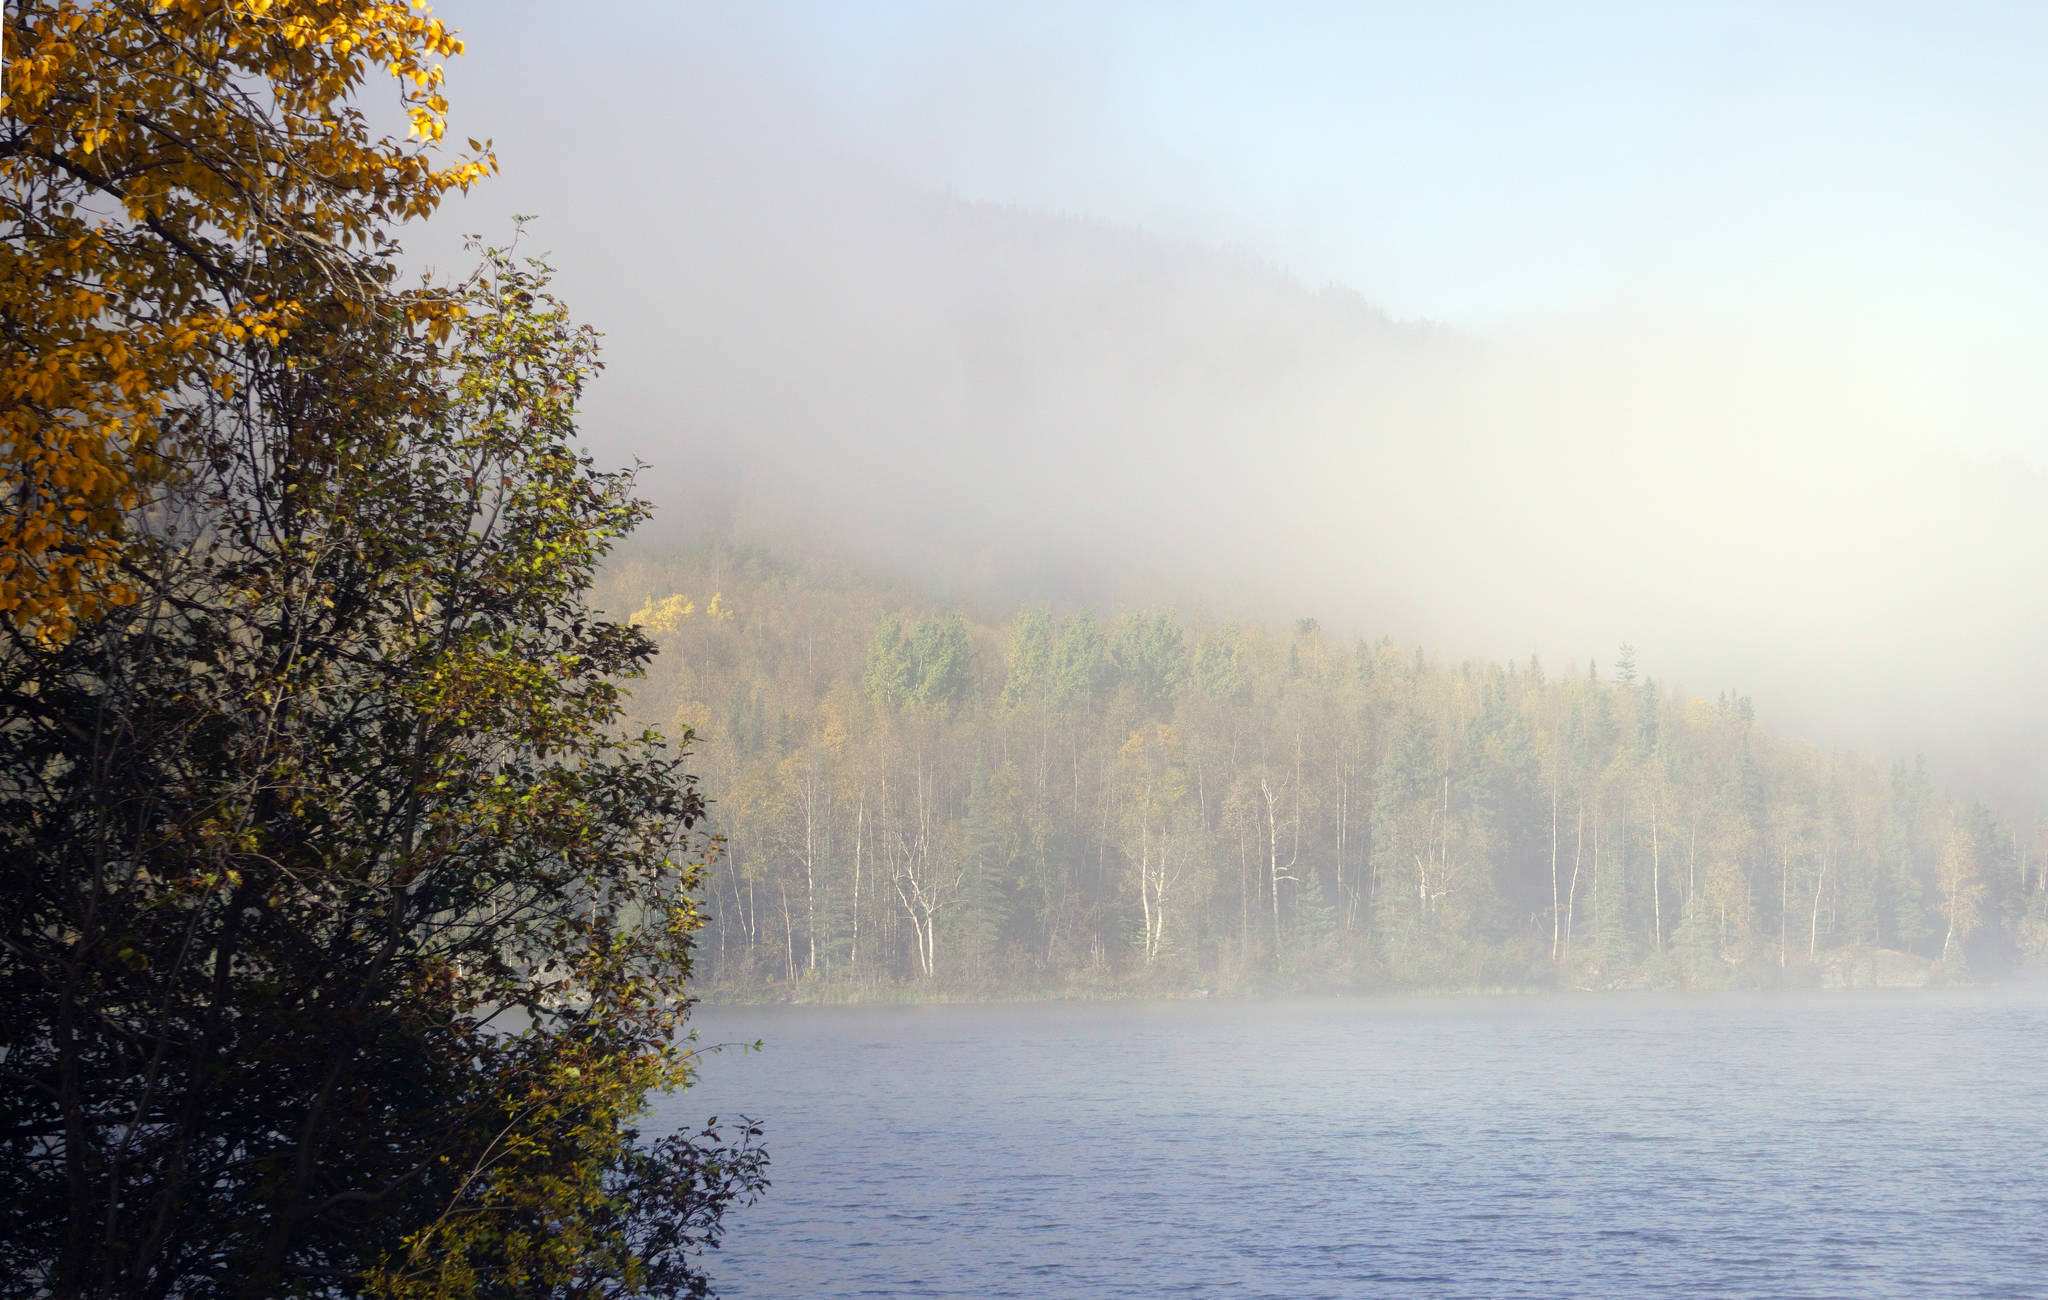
{"x": 940, "y": 649}
{"x": 927, "y": 667}
{"x": 993, "y": 837}
{"x": 1030, "y": 662}
{"x": 1151, "y": 659}
{"x": 181, "y": 181}
{"x": 891, "y": 675}
{"x": 1219, "y": 666}
{"x": 1962, "y": 891}
{"x": 1077, "y": 667}
{"x": 1154, "y": 790}
{"x": 345, "y": 930}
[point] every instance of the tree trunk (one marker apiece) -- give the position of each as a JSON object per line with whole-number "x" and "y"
{"x": 1556, "y": 918}
{"x": 1571, "y": 898}
{"x": 810, "y": 873}
{"x": 1656, "y": 879}
{"x": 1784, "y": 898}
{"x": 1343, "y": 836}
{"x": 788, "y": 933}
{"x": 1692, "y": 857}
{"x": 1145, "y": 881}
{"x": 1599, "y": 911}
{"x": 1813, "y": 932}
{"x": 860, "y": 827}
{"x": 1273, "y": 855}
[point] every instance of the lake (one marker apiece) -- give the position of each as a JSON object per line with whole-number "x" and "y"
{"x": 1882, "y": 1144}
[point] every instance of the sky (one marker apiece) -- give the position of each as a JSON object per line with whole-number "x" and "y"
{"x": 1505, "y": 329}
{"x": 1875, "y": 168}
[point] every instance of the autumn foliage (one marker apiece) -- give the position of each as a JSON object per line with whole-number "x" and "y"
{"x": 173, "y": 175}
{"x": 345, "y": 928}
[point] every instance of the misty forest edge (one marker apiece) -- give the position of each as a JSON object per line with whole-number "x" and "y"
{"x": 917, "y": 803}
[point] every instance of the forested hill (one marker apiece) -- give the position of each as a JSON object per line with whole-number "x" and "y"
{"x": 919, "y": 802}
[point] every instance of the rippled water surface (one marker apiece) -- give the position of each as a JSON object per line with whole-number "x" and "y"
{"x": 1875, "y": 1144}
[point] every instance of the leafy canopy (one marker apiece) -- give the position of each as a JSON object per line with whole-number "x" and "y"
{"x": 179, "y": 181}
{"x": 343, "y": 928}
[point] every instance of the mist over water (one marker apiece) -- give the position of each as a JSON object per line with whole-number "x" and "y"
{"x": 828, "y": 330}
{"x": 1870, "y": 1144}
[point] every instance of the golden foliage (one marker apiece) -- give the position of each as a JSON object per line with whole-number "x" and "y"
{"x": 668, "y": 613}
{"x": 664, "y": 615}
{"x": 177, "y": 179}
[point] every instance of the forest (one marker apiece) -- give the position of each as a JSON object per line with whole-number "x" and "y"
{"x": 919, "y": 799}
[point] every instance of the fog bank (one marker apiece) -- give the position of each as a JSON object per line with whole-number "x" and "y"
{"x": 810, "y": 339}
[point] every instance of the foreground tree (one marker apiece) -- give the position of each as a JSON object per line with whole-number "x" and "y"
{"x": 179, "y": 178}
{"x": 342, "y": 927}
{"x": 341, "y": 930}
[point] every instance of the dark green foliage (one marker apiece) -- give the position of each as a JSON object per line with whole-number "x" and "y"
{"x": 1219, "y": 666}
{"x": 1031, "y": 658}
{"x": 343, "y": 926}
{"x": 929, "y": 667}
{"x": 891, "y": 675}
{"x": 1079, "y": 665}
{"x": 1150, "y": 658}
{"x": 939, "y": 652}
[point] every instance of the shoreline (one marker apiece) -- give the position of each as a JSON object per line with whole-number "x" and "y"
{"x": 1806, "y": 979}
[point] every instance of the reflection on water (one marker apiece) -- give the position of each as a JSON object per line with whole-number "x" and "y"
{"x": 1823, "y": 1146}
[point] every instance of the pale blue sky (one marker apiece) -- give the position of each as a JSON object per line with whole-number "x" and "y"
{"x": 1871, "y": 175}
{"x": 1426, "y": 147}
{"x": 1873, "y": 170}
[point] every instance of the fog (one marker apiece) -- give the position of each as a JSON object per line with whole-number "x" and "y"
{"x": 819, "y": 336}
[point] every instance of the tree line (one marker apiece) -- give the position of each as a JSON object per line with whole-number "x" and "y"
{"x": 915, "y": 799}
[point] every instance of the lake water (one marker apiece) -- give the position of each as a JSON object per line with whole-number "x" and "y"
{"x": 1841, "y": 1145}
